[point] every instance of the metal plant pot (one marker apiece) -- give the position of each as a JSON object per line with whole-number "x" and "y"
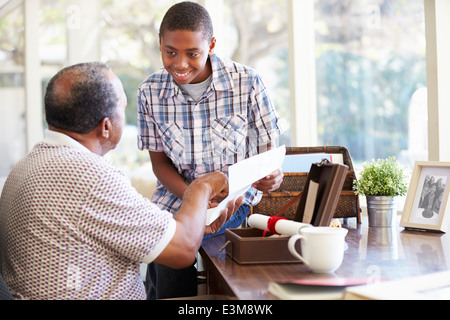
{"x": 381, "y": 211}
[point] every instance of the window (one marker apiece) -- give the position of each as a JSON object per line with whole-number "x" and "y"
{"x": 255, "y": 33}
{"x": 12, "y": 89}
{"x": 371, "y": 78}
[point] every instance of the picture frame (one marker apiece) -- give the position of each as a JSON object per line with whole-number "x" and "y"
{"x": 426, "y": 205}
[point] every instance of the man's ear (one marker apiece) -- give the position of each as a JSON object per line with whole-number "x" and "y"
{"x": 105, "y": 127}
{"x": 212, "y": 46}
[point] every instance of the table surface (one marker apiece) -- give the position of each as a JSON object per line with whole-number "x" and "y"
{"x": 376, "y": 253}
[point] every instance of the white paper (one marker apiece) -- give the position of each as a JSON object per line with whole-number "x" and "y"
{"x": 283, "y": 227}
{"x": 303, "y": 162}
{"x": 244, "y": 173}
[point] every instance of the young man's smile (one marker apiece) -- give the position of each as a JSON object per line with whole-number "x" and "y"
{"x": 181, "y": 77}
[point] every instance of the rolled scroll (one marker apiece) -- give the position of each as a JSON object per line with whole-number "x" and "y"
{"x": 276, "y": 225}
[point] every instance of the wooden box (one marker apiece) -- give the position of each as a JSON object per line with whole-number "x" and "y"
{"x": 247, "y": 246}
{"x": 294, "y": 183}
{"x": 316, "y": 206}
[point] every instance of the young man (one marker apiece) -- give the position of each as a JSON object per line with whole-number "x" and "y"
{"x": 200, "y": 114}
{"x": 71, "y": 225}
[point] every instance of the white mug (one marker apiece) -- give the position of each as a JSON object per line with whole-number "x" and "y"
{"x": 322, "y": 248}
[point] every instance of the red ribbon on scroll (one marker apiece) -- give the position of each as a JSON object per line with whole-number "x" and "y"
{"x": 271, "y": 225}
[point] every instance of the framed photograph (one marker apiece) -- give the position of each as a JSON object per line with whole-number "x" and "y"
{"x": 426, "y": 205}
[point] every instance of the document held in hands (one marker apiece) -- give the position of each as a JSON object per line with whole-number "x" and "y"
{"x": 244, "y": 173}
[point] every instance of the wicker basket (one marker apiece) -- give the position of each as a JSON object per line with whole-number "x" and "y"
{"x": 294, "y": 183}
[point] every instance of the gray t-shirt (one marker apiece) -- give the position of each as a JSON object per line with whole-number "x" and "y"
{"x": 196, "y": 90}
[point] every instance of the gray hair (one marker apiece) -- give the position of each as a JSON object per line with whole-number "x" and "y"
{"x": 88, "y": 98}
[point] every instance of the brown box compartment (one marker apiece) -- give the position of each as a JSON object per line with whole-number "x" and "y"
{"x": 247, "y": 246}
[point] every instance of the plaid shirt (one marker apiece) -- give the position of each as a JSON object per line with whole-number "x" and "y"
{"x": 233, "y": 118}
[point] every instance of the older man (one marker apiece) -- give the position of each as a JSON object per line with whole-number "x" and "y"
{"x": 72, "y": 226}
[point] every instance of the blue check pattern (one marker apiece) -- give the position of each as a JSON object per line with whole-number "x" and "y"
{"x": 232, "y": 121}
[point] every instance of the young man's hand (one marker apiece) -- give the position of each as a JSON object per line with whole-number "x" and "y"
{"x": 271, "y": 182}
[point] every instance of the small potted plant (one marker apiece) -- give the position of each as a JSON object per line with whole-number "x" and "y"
{"x": 381, "y": 181}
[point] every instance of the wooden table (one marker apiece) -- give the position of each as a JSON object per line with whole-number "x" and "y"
{"x": 386, "y": 253}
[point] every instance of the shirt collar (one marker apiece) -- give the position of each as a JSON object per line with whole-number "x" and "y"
{"x": 60, "y": 139}
{"x": 221, "y": 80}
